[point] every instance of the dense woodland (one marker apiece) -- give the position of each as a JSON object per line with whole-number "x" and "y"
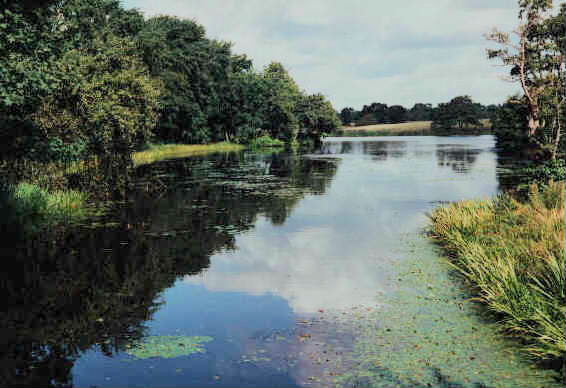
{"x": 82, "y": 77}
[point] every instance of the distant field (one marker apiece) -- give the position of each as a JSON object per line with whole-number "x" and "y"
{"x": 409, "y": 128}
{"x": 402, "y": 127}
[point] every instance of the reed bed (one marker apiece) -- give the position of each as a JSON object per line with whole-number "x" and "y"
{"x": 513, "y": 254}
{"x": 170, "y": 151}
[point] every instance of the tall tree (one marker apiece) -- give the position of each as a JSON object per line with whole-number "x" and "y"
{"x": 461, "y": 112}
{"x": 537, "y": 61}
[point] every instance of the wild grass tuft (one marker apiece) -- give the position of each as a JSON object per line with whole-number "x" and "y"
{"x": 169, "y": 151}
{"x": 513, "y": 253}
{"x": 31, "y": 207}
{"x": 266, "y": 141}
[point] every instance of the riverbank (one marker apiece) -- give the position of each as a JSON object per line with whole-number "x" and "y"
{"x": 156, "y": 153}
{"x": 34, "y": 203}
{"x": 512, "y": 254}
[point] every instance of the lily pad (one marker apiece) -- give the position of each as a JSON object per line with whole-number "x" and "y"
{"x": 167, "y": 346}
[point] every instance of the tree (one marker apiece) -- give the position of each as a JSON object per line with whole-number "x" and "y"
{"x": 537, "y": 63}
{"x": 284, "y": 95}
{"x": 397, "y": 114}
{"x": 316, "y": 116}
{"x": 195, "y": 71}
{"x": 105, "y": 97}
{"x": 347, "y": 115}
{"x": 420, "y": 112}
{"x": 461, "y": 112}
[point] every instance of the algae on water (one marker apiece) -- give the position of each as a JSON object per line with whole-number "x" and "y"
{"x": 167, "y": 346}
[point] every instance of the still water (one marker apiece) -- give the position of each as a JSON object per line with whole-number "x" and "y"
{"x": 262, "y": 270}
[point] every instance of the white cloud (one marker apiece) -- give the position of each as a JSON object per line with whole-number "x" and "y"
{"x": 361, "y": 51}
{"x": 336, "y": 251}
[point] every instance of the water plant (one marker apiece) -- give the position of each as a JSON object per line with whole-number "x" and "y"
{"x": 512, "y": 253}
{"x": 168, "y": 346}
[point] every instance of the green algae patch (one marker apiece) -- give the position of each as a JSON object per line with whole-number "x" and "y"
{"x": 168, "y": 346}
{"x": 429, "y": 333}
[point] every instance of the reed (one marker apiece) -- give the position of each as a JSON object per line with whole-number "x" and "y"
{"x": 170, "y": 151}
{"x": 513, "y": 254}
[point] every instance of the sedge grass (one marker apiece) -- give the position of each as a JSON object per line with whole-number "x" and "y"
{"x": 32, "y": 208}
{"x": 170, "y": 151}
{"x": 513, "y": 255}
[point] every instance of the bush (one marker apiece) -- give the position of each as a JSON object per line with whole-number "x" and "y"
{"x": 552, "y": 170}
{"x": 266, "y": 141}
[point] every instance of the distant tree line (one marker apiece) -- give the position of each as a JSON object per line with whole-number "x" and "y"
{"x": 91, "y": 77}
{"x": 460, "y": 112}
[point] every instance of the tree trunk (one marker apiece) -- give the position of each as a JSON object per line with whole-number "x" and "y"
{"x": 534, "y": 119}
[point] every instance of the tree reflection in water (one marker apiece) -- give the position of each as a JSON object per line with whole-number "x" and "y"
{"x": 72, "y": 289}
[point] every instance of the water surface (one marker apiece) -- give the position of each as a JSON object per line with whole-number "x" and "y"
{"x": 253, "y": 270}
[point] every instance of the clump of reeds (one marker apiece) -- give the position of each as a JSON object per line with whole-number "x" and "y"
{"x": 513, "y": 253}
{"x": 169, "y": 151}
{"x": 31, "y": 207}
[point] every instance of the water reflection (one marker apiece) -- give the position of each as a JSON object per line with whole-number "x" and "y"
{"x": 459, "y": 159}
{"x": 73, "y": 290}
{"x": 240, "y": 247}
{"x": 380, "y": 150}
{"x": 309, "y": 260}
{"x": 68, "y": 291}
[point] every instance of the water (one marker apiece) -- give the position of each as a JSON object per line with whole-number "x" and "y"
{"x": 262, "y": 270}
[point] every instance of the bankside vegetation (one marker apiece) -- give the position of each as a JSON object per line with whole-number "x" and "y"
{"x": 93, "y": 82}
{"x": 511, "y": 250}
{"x": 534, "y": 122}
{"x": 512, "y": 253}
{"x": 90, "y": 77}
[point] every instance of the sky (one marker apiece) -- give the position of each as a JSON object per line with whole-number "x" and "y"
{"x": 356, "y": 52}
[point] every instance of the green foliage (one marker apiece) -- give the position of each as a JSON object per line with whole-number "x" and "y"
{"x": 266, "y": 141}
{"x": 510, "y": 125}
{"x": 32, "y": 208}
{"x": 513, "y": 254}
{"x": 461, "y": 112}
{"x": 195, "y": 71}
{"x": 316, "y": 116}
{"x": 536, "y": 60}
{"x": 105, "y": 96}
{"x": 551, "y": 170}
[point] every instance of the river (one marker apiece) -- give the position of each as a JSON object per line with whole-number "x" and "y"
{"x": 264, "y": 269}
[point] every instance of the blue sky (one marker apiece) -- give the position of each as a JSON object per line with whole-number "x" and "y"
{"x": 361, "y": 51}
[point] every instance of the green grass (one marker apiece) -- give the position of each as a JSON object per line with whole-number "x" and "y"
{"x": 513, "y": 254}
{"x": 33, "y": 208}
{"x": 266, "y": 142}
{"x": 169, "y": 151}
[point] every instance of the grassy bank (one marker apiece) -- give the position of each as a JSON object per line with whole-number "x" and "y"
{"x": 513, "y": 255}
{"x": 169, "y": 151}
{"x": 31, "y": 207}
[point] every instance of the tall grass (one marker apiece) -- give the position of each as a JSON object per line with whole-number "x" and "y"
{"x": 169, "y": 151}
{"x": 266, "y": 142}
{"x": 513, "y": 254}
{"x": 30, "y": 207}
